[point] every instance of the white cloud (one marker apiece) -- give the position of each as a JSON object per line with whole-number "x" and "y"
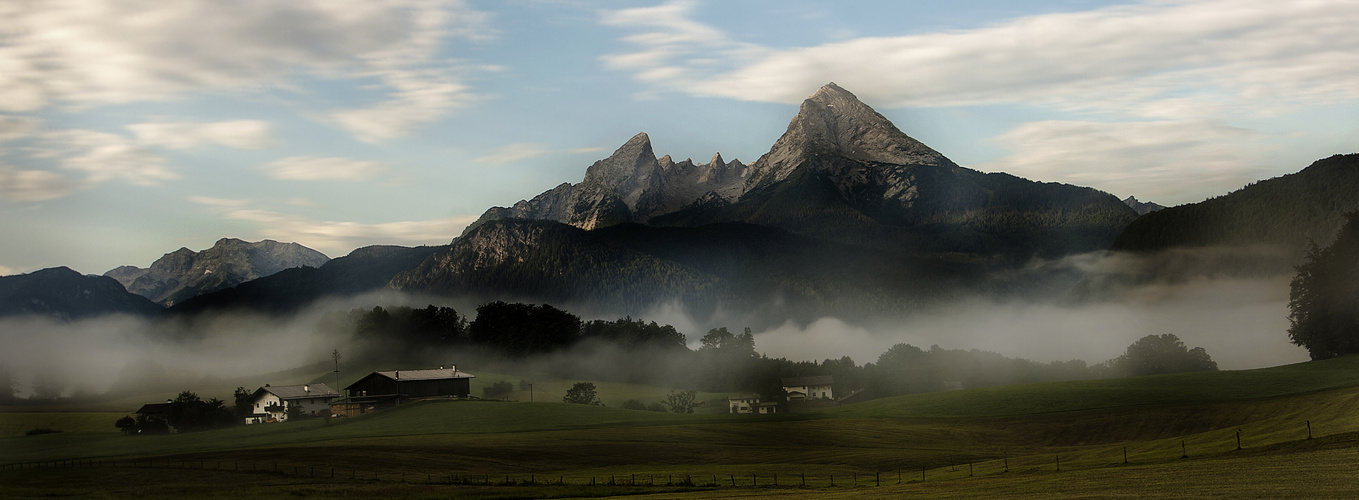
{"x": 511, "y": 153}
{"x": 341, "y": 237}
{"x": 94, "y": 52}
{"x": 33, "y": 185}
{"x": 104, "y": 157}
{"x": 1146, "y": 159}
{"x": 1140, "y": 59}
{"x": 16, "y": 127}
{"x": 417, "y": 97}
{"x": 219, "y": 202}
{"x": 306, "y": 168}
{"x": 675, "y": 51}
{"x": 242, "y": 134}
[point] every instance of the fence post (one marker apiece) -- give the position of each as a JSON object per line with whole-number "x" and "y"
{"x": 804, "y": 478}
{"x": 1184, "y": 452}
{"x": 1125, "y": 454}
{"x": 877, "y": 479}
{"x": 1059, "y": 462}
{"x": 832, "y": 480}
{"x": 1309, "y": 429}
{"x": 922, "y": 473}
{"x": 1238, "y": 439}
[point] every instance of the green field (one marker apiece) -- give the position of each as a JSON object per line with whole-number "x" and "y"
{"x": 1179, "y": 434}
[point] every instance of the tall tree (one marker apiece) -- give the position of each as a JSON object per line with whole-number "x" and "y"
{"x": 1323, "y": 300}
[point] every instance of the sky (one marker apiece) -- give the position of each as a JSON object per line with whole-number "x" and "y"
{"x": 131, "y": 128}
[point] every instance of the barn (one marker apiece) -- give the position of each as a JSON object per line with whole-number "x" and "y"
{"x": 386, "y": 389}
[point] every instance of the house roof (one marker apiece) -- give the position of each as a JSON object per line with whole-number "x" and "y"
{"x": 298, "y": 391}
{"x": 744, "y": 396}
{"x": 435, "y": 374}
{"x": 802, "y": 381}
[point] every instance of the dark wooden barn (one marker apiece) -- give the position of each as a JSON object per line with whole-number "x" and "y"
{"x": 388, "y": 388}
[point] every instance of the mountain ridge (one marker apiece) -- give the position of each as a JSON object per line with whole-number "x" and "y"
{"x": 184, "y": 273}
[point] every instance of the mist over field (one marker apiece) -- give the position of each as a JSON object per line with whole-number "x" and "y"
{"x": 1099, "y": 305}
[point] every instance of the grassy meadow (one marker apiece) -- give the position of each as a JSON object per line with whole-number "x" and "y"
{"x": 1170, "y": 435}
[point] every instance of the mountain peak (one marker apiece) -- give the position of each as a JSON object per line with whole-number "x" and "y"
{"x": 834, "y": 121}
{"x": 631, "y": 161}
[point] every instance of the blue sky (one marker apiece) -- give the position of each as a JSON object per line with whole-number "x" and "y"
{"x": 131, "y": 128}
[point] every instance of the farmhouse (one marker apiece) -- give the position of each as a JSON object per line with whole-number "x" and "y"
{"x": 156, "y": 414}
{"x": 748, "y": 404}
{"x": 386, "y": 389}
{"x": 271, "y": 403}
{"x": 803, "y": 388}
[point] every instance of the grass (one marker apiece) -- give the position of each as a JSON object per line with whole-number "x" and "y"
{"x": 1002, "y": 442}
{"x": 17, "y": 423}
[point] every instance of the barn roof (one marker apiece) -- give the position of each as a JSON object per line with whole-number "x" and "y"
{"x": 299, "y": 391}
{"x": 434, "y": 374}
{"x": 801, "y": 381}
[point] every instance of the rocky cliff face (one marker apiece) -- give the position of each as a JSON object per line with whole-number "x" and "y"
{"x": 631, "y": 185}
{"x": 184, "y": 273}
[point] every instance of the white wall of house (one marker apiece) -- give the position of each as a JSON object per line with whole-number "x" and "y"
{"x": 809, "y": 392}
{"x": 742, "y": 405}
{"x": 278, "y": 408}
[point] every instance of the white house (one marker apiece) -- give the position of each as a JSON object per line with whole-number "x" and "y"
{"x": 271, "y": 403}
{"x": 748, "y": 404}
{"x": 802, "y": 388}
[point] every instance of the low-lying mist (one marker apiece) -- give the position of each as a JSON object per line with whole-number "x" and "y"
{"x": 1112, "y": 301}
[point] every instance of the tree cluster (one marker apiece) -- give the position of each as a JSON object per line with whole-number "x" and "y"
{"x": 1154, "y": 355}
{"x": 1323, "y": 300}
{"x": 186, "y": 413}
{"x": 582, "y": 393}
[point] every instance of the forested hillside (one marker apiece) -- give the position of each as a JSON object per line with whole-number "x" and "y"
{"x": 1286, "y": 212}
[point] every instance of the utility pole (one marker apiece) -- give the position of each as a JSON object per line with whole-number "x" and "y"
{"x": 336, "y": 356}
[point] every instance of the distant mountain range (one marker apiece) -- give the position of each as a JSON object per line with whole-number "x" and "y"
{"x": 184, "y": 273}
{"x": 844, "y": 215}
{"x": 65, "y": 294}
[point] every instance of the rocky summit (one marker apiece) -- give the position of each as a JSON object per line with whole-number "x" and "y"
{"x": 631, "y": 185}
{"x": 184, "y": 273}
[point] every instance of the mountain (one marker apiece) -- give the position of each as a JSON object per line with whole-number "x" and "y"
{"x": 184, "y": 273}
{"x": 66, "y": 294}
{"x": 1140, "y": 207}
{"x": 1285, "y": 213}
{"x": 844, "y": 214}
{"x": 631, "y": 185}
{"x": 840, "y": 172}
{"x": 364, "y": 270}
{"x": 844, "y": 172}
